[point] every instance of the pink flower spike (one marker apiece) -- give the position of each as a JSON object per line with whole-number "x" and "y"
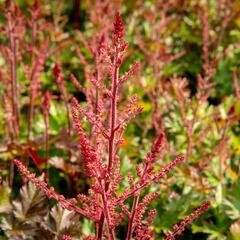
{"x": 134, "y": 68}
{"x": 118, "y": 25}
{"x": 179, "y": 228}
{"x": 118, "y": 29}
{"x": 50, "y": 192}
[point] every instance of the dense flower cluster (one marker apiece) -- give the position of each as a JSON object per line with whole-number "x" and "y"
{"x": 66, "y": 237}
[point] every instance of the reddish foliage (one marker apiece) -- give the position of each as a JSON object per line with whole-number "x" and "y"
{"x": 100, "y": 152}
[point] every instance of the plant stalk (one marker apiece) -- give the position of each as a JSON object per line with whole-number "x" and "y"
{"x": 134, "y": 207}
{"x": 46, "y": 141}
{"x": 14, "y": 89}
{"x": 113, "y": 117}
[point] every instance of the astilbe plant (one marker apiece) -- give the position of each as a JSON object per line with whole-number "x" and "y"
{"x": 185, "y": 108}
{"x": 105, "y": 204}
{"x": 30, "y": 54}
{"x": 14, "y": 29}
{"x": 157, "y": 52}
{"x": 26, "y": 46}
{"x": 172, "y": 94}
{"x": 15, "y": 50}
{"x": 101, "y": 14}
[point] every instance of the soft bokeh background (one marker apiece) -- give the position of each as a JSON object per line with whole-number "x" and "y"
{"x": 177, "y": 42}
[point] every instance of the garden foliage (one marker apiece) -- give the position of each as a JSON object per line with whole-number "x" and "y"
{"x": 120, "y": 129}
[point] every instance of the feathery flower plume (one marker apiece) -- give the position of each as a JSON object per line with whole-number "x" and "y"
{"x": 129, "y": 73}
{"x": 179, "y": 228}
{"x": 87, "y": 151}
{"x": 50, "y": 192}
{"x": 57, "y": 71}
{"x": 46, "y": 105}
{"x": 99, "y": 150}
{"x": 118, "y": 29}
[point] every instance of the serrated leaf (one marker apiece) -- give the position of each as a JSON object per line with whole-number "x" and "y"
{"x": 32, "y": 203}
{"x": 16, "y": 230}
{"x": 62, "y": 221}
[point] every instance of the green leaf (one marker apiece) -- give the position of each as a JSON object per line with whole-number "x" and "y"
{"x": 5, "y": 205}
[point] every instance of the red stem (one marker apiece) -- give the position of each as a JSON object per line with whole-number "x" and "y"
{"x": 130, "y": 226}
{"x": 14, "y": 88}
{"x": 134, "y": 207}
{"x": 14, "y": 85}
{"x": 52, "y": 194}
{"x": 107, "y": 215}
{"x": 31, "y": 108}
{"x": 46, "y": 120}
{"x": 113, "y": 116}
{"x": 68, "y": 119}
{"x": 112, "y": 134}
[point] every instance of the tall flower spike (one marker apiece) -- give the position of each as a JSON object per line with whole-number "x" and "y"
{"x": 156, "y": 148}
{"x": 57, "y": 70}
{"x": 46, "y": 103}
{"x": 36, "y": 4}
{"x": 118, "y": 29}
{"x": 50, "y": 192}
{"x": 179, "y": 228}
{"x": 88, "y": 153}
{"x": 101, "y": 43}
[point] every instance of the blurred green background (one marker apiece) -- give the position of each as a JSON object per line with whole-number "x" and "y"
{"x": 172, "y": 40}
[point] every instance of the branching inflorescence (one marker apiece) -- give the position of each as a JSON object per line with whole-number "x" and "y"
{"x": 179, "y": 228}
{"x": 104, "y": 204}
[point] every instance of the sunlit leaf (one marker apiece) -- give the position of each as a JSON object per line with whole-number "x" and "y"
{"x": 62, "y": 221}
{"x": 32, "y": 203}
{"x": 5, "y": 205}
